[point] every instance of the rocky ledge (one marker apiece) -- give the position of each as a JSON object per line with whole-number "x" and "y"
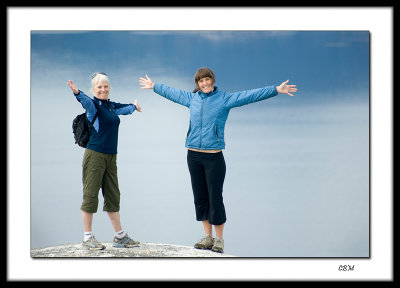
{"x": 144, "y": 250}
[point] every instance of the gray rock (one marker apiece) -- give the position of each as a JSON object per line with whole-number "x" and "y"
{"x": 144, "y": 250}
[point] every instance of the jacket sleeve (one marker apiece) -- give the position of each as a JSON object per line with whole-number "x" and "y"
{"x": 237, "y": 99}
{"x": 124, "y": 109}
{"x": 87, "y": 104}
{"x": 175, "y": 95}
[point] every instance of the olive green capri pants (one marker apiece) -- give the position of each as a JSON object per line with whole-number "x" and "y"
{"x": 100, "y": 171}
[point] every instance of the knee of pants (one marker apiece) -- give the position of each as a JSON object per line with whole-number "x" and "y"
{"x": 201, "y": 199}
{"x": 90, "y": 204}
{"x": 200, "y": 194}
{"x": 111, "y": 204}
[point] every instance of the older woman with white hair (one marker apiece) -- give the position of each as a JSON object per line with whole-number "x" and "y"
{"x": 99, "y": 161}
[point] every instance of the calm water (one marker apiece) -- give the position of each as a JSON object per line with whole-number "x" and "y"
{"x": 297, "y": 182}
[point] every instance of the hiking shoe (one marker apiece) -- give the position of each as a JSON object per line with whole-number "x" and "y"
{"x": 218, "y": 245}
{"x": 92, "y": 244}
{"x": 125, "y": 242}
{"x": 206, "y": 242}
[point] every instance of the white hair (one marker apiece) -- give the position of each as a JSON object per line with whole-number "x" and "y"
{"x": 99, "y": 77}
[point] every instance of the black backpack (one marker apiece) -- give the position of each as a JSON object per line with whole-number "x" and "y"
{"x": 81, "y": 129}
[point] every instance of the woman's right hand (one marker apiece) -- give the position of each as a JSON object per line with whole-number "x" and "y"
{"x": 146, "y": 83}
{"x": 73, "y": 87}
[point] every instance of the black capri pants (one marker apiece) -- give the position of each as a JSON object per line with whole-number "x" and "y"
{"x": 207, "y": 173}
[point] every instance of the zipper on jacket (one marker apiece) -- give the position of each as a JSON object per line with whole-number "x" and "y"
{"x": 201, "y": 125}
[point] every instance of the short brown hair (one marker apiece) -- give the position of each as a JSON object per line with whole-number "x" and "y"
{"x": 202, "y": 73}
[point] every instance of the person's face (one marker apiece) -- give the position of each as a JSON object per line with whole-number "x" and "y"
{"x": 101, "y": 90}
{"x": 206, "y": 84}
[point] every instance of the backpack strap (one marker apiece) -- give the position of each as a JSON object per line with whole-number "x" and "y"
{"x": 95, "y": 115}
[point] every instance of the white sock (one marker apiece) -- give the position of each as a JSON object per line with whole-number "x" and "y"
{"x": 120, "y": 234}
{"x": 87, "y": 235}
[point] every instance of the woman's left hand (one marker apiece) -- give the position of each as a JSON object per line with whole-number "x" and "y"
{"x": 137, "y": 106}
{"x": 286, "y": 89}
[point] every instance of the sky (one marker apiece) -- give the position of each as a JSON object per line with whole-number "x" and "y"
{"x": 320, "y": 60}
{"x": 298, "y": 175}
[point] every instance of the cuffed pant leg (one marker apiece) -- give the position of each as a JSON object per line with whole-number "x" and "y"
{"x": 110, "y": 186}
{"x": 199, "y": 187}
{"x": 215, "y": 170}
{"x": 207, "y": 173}
{"x": 93, "y": 168}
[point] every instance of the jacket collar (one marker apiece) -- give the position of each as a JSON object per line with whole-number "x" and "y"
{"x": 101, "y": 101}
{"x": 206, "y": 95}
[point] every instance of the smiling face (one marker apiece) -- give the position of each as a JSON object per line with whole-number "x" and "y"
{"x": 206, "y": 84}
{"x": 101, "y": 89}
{"x": 204, "y": 79}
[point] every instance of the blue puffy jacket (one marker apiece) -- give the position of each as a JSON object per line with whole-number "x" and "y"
{"x": 209, "y": 112}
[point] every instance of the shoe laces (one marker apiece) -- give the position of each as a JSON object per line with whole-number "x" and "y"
{"x": 218, "y": 240}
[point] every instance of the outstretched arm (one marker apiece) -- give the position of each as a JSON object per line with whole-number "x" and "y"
{"x": 286, "y": 89}
{"x": 85, "y": 101}
{"x": 241, "y": 98}
{"x": 126, "y": 109}
{"x": 250, "y": 96}
{"x": 175, "y": 95}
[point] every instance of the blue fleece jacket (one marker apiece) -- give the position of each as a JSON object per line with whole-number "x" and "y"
{"x": 209, "y": 112}
{"x": 104, "y": 135}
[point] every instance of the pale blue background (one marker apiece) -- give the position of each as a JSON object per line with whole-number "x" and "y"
{"x": 297, "y": 182}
